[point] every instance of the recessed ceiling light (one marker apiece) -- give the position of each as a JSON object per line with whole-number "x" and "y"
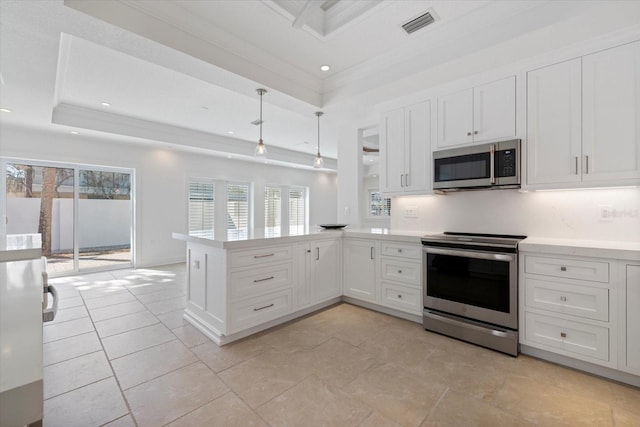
{"x": 5, "y": 110}
{"x": 74, "y": 132}
{"x": 230, "y": 132}
{"x": 229, "y": 156}
{"x": 265, "y": 162}
{"x": 105, "y": 104}
{"x": 325, "y": 68}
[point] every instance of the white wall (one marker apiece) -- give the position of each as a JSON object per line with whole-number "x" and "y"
{"x": 101, "y": 222}
{"x": 553, "y": 214}
{"x": 161, "y": 176}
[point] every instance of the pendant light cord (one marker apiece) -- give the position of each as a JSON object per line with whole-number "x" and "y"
{"x": 318, "y": 114}
{"x": 261, "y": 93}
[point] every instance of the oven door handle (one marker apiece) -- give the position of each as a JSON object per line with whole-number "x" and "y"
{"x": 470, "y": 254}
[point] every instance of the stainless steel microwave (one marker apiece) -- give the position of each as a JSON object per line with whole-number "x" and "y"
{"x": 495, "y": 165}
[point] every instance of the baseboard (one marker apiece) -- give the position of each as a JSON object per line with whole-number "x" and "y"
{"x": 581, "y": 365}
{"x": 386, "y": 310}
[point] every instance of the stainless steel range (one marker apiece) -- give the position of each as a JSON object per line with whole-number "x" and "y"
{"x": 470, "y": 287}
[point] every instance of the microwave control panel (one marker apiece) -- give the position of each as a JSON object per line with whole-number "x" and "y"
{"x": 506, "y": 163}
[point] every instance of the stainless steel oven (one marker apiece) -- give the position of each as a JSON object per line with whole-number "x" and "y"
{"x": 471, "y": 288}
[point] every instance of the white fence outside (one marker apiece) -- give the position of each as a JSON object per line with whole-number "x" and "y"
{"x": 102, "y": 223}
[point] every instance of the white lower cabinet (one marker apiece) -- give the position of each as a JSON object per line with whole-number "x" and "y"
{"x": 392, "y": 279}
{"x": 584, "y": 308}
{"x": 573, "y": 338}
{"x": 568, "y": 306}
{"x": 630, "y": 302}
{"x": 319, "y": 267}
{"x": 403, "y": 298}
{"x": 359, "y": 269}
{"x": 248, "y": 312}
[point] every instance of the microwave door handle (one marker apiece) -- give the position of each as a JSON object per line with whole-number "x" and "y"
{"x": 493, "y": 164}
{"x": 470, "y": 254}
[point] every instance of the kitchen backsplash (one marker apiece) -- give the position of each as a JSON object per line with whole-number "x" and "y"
{"x": 602, "y": 214}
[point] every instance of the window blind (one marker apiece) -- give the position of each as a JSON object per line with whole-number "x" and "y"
{"x": 201, "y": 209}
{"x": 379, "y": 206}
{"x": 297, "y": 210}
{"x": 272, "y": 211}
{"x": 237, "y": 211}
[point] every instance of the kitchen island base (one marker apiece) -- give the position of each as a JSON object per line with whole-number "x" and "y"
{"x": 221, "y": 339}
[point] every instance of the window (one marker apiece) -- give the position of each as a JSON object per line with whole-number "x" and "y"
{"x": 379, "y": 207}
{"x": 237, "y": 211}
{"x": 202, "y": 208}
{"x": 272, "y": 211}
{"x": 297, "y": 210}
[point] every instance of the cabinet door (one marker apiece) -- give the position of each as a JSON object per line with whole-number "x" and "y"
{"x": 554, "y": 124}
{"x": 632, "y": 334}
{"x": 327, "y": 269}
{"x": 392, "y": 141}
{"x": 494, "y": 110}
{"x": 611, "y": 112}
{"x": 359, "y": 274}
{"x": 455, "y": 118}
{"x": 418, "y": 147}
{"x": 304, "y": 275}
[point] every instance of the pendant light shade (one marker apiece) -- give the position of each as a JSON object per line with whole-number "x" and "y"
{"x": 261, "y": 150}
{"x": 318, "y": 162}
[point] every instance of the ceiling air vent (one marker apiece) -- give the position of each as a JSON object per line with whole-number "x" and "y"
{"x": 418, "y": 23}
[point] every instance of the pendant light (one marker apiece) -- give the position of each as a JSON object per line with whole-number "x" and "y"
{"x": 318, "y": 162}
{"x": 261, "y": 150}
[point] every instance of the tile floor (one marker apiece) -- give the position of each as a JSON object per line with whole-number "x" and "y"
{"x": 120, "y": 354}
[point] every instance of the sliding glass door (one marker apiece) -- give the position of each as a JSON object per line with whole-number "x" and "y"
{"x": 81, "y": 216}
{"x": 104, "y": 219}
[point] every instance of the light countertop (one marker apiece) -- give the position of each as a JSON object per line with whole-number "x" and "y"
{"x": 258, "y": 237}
{"x": 589, "y": 248}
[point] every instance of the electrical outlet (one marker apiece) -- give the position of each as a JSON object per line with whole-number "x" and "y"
{"x": 605, "y": 213}
{"x": 411, "y": 212}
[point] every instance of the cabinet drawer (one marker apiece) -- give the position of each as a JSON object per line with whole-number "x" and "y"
{"x": 401, "y": 271}
{"x": 402, "y": 297}
{"x": 401, "y": 250}
{"x": 594, "y": 271}
{"x": 254, "y": 311}
{"x": 260, "y": 280}
{"x": 582, "y": 301}
{"x": 573, "y": 337}
{"x": 259, "y": 256}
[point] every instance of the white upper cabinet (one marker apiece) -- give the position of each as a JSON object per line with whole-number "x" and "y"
{"x": 482, "y": 113}
{"x": 611, "y": 114}
{"x": 455, "y": 118}
{"x": 392, "y": 152}
{"x": 583, "y": 120}
{"x": 554, "y": 124}
{"x": 405, "y": 149}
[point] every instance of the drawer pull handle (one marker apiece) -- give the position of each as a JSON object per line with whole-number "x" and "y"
{"x": 563, "y": 298}
{"x": 563, "y": 335}
{"x": 399, "y": 296}
{"x": 468, "y": 133}
{"x": 263, "y": 280}
{"x": 399, "y": 251}
{"x": 262, "y": 308}
{"x": 263, "y": 256}
{"x": 399, "y": 271}
{"x": 563, "y": 268}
